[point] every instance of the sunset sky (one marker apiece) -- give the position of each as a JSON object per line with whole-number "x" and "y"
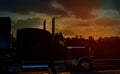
{"x": 97, "y": 18}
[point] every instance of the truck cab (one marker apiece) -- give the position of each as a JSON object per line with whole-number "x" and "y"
{"x": 34, "y": 48}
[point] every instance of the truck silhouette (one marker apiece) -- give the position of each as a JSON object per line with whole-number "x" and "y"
{"x": 34, "y": 47}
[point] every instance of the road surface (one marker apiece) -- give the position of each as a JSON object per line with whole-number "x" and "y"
{"x": 95, "y": 72}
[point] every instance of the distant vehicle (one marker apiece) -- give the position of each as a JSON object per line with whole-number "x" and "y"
{"x": 5, "y": 29}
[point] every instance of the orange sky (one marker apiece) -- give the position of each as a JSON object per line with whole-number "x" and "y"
{"x": 97, "y": 18}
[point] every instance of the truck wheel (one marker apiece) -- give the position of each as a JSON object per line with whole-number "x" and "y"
{"x": 84, "y": 66}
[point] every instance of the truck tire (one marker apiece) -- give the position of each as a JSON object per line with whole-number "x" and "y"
{"x": 85, "y": 66}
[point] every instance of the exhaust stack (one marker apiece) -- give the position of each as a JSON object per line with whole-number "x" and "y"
{"x": 53, "y": 26}
{"x": 44, "y": 24}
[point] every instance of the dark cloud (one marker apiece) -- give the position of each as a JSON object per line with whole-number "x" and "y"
{"x": 118, "y": 5}
{"x": 81, "y": 8}
{"x": 110, "y": 4}
{"x": 25, "y": 6}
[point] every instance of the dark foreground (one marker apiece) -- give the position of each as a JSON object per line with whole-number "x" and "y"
{"x": 61, "y": 70}
{"x": 96, "y": 72}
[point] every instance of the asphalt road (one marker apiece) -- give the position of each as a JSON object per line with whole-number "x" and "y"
{"x": 61, "y": 70}
{"x": 95, "y": 72}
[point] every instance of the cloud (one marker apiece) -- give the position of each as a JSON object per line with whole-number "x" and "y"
{"x": 27, "y": 23}
{"x": 77, "y": 8}
{"x": 80, "y": 8}
{"x": 26, "y": 6}
{"x": 108, "y": 4}
{"x": 106, "y": 23}
{"x": 109, "y": 13}
{"x": 56, "y": 5}
{"x": 106, "y": 17}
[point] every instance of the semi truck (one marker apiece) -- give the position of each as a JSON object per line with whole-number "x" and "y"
{"x": 74, "y": 55}
{"x": 38, "y": 46}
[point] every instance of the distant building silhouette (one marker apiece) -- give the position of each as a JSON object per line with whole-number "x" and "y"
{"x": 5, "y": 29}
